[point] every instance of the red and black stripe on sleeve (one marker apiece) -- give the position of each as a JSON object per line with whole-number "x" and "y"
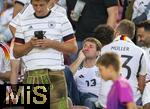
{"x": 69, "y": 37}
{"x": 19, "y": 40}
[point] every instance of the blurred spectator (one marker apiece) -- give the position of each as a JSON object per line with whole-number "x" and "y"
{"x": 94, "y": 12}
{"x": 141, "y": 11}
{"x": 4, "y": 63}
{"x": 129, "y": 10}
{"x": 62, "y": 3}
{"x": 122, "y": 8}
{"x": 140, "y": 34}
{"x": 1, "y": 6}
{"x": 143, "y": 36}
{"x": 104, "y": 33}
{"x": 5, "y": 18}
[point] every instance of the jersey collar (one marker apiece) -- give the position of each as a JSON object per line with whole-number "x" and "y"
{"x": 41, "y": 17}
{"x": 123, "y": 38}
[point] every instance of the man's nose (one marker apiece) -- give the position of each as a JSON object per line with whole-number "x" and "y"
{"x": 86, "y": 48}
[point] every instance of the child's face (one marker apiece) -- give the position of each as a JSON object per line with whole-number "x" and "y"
{"x": 105, "y": 72}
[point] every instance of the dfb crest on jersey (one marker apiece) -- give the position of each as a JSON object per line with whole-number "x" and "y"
{"x": 51, "y": 24}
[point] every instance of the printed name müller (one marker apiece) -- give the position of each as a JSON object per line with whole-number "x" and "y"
{"x": 27, "y": 96}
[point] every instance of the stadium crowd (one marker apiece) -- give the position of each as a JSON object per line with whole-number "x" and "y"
{"x": 94, "y": 54}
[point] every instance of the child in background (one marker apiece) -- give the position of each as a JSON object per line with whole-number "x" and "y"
{"x": 120, "y": 95}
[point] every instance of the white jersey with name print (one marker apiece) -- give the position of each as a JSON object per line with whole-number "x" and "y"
{"x": 133, "y": 60}
{"x": 57, "y": 27}
{"x": 88, "y": 80}
{"x": 4, "y": 59}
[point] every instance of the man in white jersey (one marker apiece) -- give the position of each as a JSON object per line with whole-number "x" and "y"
{"x": 133, "y": 61}
{"x": 143, "y": 36}
{"x": 40, "y": 40}
{"x": 4, "y": 63}
{"x": 26, "y": 9}
{"x": 87, "y": 78}
{"x": 141, "y": 11}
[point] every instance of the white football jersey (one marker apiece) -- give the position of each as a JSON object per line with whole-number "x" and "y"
{"x": 4, "y": 59}
{"x": 28, "y": 10}
{"x": 147, "y": 50}
{"x": 88, "y": 80}
{"x": 56, "y": 27}
{"x": 133, "y": 61}
{"x": 146, "y": 95}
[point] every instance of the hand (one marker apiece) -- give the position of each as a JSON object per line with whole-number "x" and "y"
{"x": 34, "y": 42}
{"x": 45, "y": 43}
{"x": 81, "y": 55}
{"x": 11, "y": 98}
{"x": 74, "y": 16}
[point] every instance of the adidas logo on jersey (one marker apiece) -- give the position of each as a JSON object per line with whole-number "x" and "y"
{"x": 81, "y": 76}
{"x": 30, "y": 27}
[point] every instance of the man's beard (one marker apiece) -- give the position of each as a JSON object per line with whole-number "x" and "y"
{"x": 141, "y": 44}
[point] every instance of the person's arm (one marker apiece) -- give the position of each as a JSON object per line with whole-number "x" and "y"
{"x": 13, "y": 30}
{"x": 75, "y": 65}
{"x": 143, "y": 69}
{"x": 131, "y": 105}
{"x": 21, "y": 49}
{"x": 17, "y": 8}
{"x": 112, "y": 15}
{"x": 141, "y": 82}
{"x": 15, "y": 66}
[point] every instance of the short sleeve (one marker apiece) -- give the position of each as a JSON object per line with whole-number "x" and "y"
{"x": 67, "y": 30}
{"x": 143, "y": 64}
{"x": 19, "y": 36}
{"x": 125, "y": 92}
{"x": 109, "y": 3}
